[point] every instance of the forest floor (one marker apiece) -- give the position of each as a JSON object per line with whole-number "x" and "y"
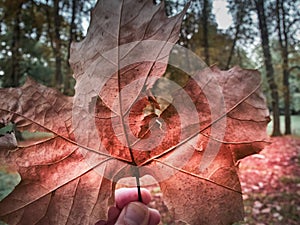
{"x": 270, "y": 184}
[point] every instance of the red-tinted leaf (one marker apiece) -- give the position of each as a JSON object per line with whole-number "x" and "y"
{"x": 125, "y": 118}
{"x": 56, "y": 180}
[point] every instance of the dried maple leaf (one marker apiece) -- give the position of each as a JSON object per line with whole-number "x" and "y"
{"x": 125, "y": 120}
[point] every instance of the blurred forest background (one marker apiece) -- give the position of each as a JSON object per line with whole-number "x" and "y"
{"x": 264, "y": 34}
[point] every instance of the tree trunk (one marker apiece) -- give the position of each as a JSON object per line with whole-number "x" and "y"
{"x": 72, "y": 37}
{"x": 287, "y": 111}
{"x": 239, "y": 19}
{"x": 13, "y": 78}
{"x": 205, "y": 13}
{"x": 237, "y": 31}
{"x": 283, "y": 41}
{"x": 58, "y": 79}
{"x": 269, "y": 66}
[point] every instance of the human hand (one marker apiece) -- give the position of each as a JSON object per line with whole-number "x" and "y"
{"x": 128, "y": 211}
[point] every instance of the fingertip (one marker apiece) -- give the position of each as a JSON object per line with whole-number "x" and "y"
{"x": 125, "y": 195}
{"x": 113, "y": 213}
{"x": 146, "y": 196}
{"x": 154, "y": 217}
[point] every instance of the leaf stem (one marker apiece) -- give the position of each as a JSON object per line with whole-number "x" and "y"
{"x": 138, "y": 184}
{"x": 136, "y": 171}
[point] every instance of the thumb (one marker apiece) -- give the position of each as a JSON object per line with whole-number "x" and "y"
{"x": 135, "y": 213}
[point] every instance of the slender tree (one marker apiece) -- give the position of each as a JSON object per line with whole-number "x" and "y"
{"x": 15, "y": 47}
{"x": 72, "y": 38}
{"x": 13, "y": 20}
{"x": 58, "y": 78}
{"x": 54, "y": 20}
{"x": 283, "y": 42}
{"x": 287, "y": 18}
{"x": 238, "y": 9}
{"x": 205, "y": 32}
{"x": 264, "y": 34}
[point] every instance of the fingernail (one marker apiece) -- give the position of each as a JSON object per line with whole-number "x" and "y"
{"x": 136, "y": 214}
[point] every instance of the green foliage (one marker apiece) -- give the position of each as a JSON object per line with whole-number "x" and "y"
{"x": 219, "y": 46}
{"x": 8, "y": 128}
{"x": 33, "y": 52}
{"x": 28, "y": 41}
{"x": 8, "y": 181}
{"x": 294, "y": 76}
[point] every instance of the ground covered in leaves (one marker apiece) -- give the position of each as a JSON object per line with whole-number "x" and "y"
{"x": 270, "y": 183}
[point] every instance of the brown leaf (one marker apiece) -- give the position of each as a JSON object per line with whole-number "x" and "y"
{"x": 126, "y": 118}
{"x": 208, "y": 183}
{"x": 8, "y": 141}
{"x": 56, "y": 180}
{"x": 62, "y": 180}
